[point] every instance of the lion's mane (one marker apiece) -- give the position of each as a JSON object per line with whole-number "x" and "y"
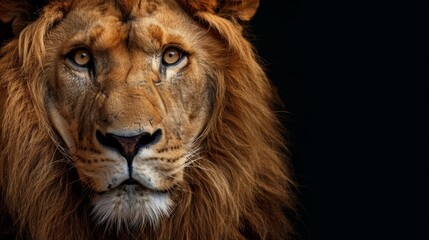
{"x": 242, "y": 180}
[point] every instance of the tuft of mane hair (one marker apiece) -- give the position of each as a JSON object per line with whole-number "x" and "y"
{"x": 241, "y": 188}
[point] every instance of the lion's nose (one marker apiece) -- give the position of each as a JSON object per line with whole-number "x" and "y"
{"x": 128, "y": 146}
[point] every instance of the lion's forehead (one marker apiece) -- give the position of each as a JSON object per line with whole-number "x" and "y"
{"x": 149, "y": 26}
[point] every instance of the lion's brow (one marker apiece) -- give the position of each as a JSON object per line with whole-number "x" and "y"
{"x": 126, "y": 7}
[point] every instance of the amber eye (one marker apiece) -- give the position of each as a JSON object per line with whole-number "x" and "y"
{"x": 81, "y": 57}
{"x": 171, "y": 56}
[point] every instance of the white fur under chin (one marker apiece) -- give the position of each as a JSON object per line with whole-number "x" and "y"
{"x": 129, "y": 208}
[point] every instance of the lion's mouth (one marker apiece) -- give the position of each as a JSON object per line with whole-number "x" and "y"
{"x": 131, "y": 185}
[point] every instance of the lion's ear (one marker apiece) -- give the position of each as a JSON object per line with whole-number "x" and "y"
{"x": 18, "y": 14}
{"x": 242, "y": 10}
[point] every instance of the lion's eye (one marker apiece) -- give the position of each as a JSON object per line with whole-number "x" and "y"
{"x": 171, "y": 56}
{"x": 81, "y": 57}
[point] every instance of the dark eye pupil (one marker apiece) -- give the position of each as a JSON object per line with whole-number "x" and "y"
{"x": 83, "y": 55}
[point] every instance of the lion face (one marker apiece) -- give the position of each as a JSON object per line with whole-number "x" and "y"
{"x": 130, "y": 96}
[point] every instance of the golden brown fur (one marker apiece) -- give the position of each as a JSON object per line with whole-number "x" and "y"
{"x": 220, "y": 135}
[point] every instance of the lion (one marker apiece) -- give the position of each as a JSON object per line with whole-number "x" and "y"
{"x": 149, "y": 119}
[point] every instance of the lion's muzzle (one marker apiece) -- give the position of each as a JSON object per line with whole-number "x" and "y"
{"x": 129, "y": 146}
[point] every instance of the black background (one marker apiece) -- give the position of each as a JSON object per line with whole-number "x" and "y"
{"x": 352, "y": 76}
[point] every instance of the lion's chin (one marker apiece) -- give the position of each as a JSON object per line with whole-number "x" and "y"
{"x": 130, "y": 206}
